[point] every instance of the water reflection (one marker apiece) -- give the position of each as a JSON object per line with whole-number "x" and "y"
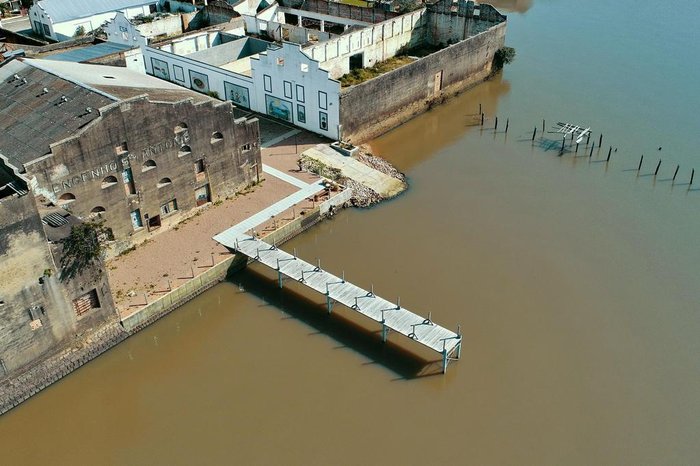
{"x": 443, "y": 125}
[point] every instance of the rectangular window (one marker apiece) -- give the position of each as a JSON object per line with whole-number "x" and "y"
{"x": 199, "y": 166}
{"x": 246, "y": 147}
{"x": 86, "y": 302}
{"x": 202, "y": 196}
{"x": 237, "y": 94}
{"x": 323, "y": 120}
{"x": 160, "y": 69}
{"x": 168, "y": 208}
{"x": 288, "y": 89}
{"x": 179, "y": 73}
{"x": 267, "y": 82}
{"x": 47, "y": 31}
{"x": 300, "y": 93}
{"x": 278, "y": 108}
{"x": 136, "y": 219}
{"x": 121, "y": 148}
{"x": 301, "y": 113}
{"x": 128, "y": 179}
{"x": 322, "y": 100}
{"x": 199, "y": 174}
{"x": 199, "y": 81}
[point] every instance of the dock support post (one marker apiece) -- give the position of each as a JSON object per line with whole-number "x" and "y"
{"x": 676, "y": 173}
{"x": 329, "y": 303}
{"x": 384, "y": 331}
{"x": 534, "y": 133}
{"x": 279, "y": 277}
{"x": 459, "y": 345}
{"x": 444, "y": 361}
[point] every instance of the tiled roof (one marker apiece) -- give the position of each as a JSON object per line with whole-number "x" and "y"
{"x": 38, "y": 109}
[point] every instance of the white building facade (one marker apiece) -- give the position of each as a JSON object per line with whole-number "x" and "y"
{"x": 64, "y": 19}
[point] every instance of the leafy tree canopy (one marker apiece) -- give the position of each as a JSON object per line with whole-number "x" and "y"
{"x": 83, "y": 248}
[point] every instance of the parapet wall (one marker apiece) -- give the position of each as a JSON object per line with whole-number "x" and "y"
{"x": 374, "y": 107}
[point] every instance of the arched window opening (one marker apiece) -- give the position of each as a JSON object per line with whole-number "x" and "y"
{"x": 184, "y": 150}
{"x": 216, "y": 137}
{"x": 148, "y": 165}
{"x": 109, "y": 181}
{"x": 66, "y": 198}
{"x": 164, "y": 182}
{"x": 180, "y": 127}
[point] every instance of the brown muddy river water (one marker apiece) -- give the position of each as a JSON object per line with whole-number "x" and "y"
{"x": 575, "y": 283}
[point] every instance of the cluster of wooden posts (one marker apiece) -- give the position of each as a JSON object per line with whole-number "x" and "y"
{"x": 588, "y": 141}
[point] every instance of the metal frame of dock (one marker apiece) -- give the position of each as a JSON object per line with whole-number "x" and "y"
{"x": 391, "y": 316}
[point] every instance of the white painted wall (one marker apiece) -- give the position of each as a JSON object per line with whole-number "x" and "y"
{"x": 290, "y": 70}
{"x": 286, "y": 64}
{"x": 66, "y": 29}
{"x": 377, "y": 43}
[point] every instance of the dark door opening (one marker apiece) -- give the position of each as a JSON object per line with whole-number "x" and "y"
{"x": 154, "y": 222}
{"x": 356, "y": 61}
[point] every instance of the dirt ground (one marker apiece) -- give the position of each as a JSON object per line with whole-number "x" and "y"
{"x": 183, "y": 252}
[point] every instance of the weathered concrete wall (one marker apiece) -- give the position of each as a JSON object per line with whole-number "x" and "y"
{"x": 397, "y": 96}
{"x": 36, "y": 313}
{"x": 143, "y": 137}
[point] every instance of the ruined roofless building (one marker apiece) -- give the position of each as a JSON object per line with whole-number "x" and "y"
{"x": 103, "y": 141}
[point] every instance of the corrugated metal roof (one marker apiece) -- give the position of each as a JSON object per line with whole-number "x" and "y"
{"x": 66, "y": 10}
{"x": 31, "y": 119}
{"x": 88, "y": 53}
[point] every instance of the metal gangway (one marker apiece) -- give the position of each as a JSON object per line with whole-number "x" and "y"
{"x": 391, "y": 316}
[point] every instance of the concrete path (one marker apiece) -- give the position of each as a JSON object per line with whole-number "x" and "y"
{"x": 379, "y": 182}
{"x": 284, "y": 177}
{"x": 230, "y": 235}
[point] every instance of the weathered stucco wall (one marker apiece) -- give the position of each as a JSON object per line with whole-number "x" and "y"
{"x": 143, "y": 137}
{"x": 380, "y": 104}
{"x": 36, "y": 311}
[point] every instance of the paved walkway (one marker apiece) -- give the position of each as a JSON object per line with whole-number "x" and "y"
{"x": 266, "y": 214}
{"x": 284, "y": 177}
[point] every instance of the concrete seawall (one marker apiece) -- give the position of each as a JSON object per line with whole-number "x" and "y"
{"x": 401, "y": 94}
{"x": 35, "y": 378}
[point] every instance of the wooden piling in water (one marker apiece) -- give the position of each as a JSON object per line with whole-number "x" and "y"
{"x": 543, "y": 125}
{"x": 608, "y": 159}
{"x": 576, "y": 148}
{"x": 658, "y": 165}
{"x": 600, "y": 141}
{"x": 676, "y": 173}
{"x": 563, "y": 141}
{"x": 495, "y": 126}
{"x": 480, "y": 109}
{"x": 482, "y": 119}
{"x": 592, "y": 147}
{"x": 692, "y": 175}
{"x": 507, "y": 124}
{"x": 534, "y": 133}
{"x": 609, "y": 152}
{"x": 640, "y": 163}
{"x": 588, "y": 138}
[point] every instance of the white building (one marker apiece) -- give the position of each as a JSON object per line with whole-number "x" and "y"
{"x": 62, "y": 19}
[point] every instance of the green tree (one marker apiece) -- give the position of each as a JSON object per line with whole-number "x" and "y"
{"x": 79, "y": 31}
{"x": 83, "y": 248}
{"x": 502, "y": 57}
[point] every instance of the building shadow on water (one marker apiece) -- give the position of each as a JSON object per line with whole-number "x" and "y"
{"x": 349, "y": 334}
